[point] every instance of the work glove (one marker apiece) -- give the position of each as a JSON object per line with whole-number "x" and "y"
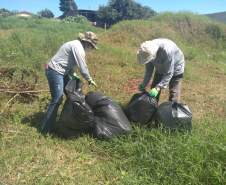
{"x": 91, "y": 82}
{"x": 141, "y": 87}
{"x": 74, "y": 77}
{"x": 153, "y": 92}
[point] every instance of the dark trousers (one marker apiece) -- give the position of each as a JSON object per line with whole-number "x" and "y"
{"x": 174, "y": 86}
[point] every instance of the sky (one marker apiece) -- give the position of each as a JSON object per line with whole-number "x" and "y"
{"x": 196, "y": 6}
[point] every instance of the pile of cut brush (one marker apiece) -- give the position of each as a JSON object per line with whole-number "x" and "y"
{"x": 18, "y": 84}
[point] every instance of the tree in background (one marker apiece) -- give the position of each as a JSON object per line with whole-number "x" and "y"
{"x": 118, "y": 10}
{"x": 107, "y": 16}
{"x": 69, "y": 8}
{"x": 4, "y": 12}
{"x": 46, "y": 13}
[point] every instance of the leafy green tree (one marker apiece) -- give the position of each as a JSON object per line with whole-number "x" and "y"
{"x": 118, "y": 10}
{"x": 4, "y": 12}
{"x": 107, "y": 15}
{"x": 68, "y": 7}
{"x": 46, "y": 13}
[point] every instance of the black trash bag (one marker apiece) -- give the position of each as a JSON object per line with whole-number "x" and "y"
{"x": 92, "y": 98}
{"x": 174, "y": 115}
{"x": 74, "y": 89}
{"x": 76, "y": 116}
{"x": 109, "y": 119}
{"x": 141, "y": 108}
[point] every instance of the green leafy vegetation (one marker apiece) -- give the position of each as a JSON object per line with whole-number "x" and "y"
{"x": 118, "y": 10}
{"x": 4, "y": 12}
{"x": 148, "y": 155}
{"x": 77, "y": 19}
{"x": 69, "y": 8}
{"x": 46, "y": 13}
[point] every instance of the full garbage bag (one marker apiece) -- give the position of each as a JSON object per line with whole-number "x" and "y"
{"x": 76, "y": 115}
{"x": 109, "y": 118}
{"x": 174, "y": 115}
{"x": 141, "y": 108}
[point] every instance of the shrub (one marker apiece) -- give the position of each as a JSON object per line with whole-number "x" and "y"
{"x": 76, "y": 19}
{"x": 4, "y": 12}
{"x": 215, "y": 31}
{"x": 46, "y": 13}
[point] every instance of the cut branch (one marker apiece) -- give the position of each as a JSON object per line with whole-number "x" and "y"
{"x": 8, "y": 103}
{"x": 22, "y": 92}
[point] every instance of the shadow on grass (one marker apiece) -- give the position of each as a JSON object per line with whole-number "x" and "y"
{"x": 34, "y": 120}
{"x": 59, "y": 131}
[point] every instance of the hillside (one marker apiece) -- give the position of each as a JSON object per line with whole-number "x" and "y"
{"x": 220, "y": 16}
{"x": 148, "y": 155}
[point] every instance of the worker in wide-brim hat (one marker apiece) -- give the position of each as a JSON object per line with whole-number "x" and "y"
{"x": 167, "y": 59}
{"x": 70, "y": 55}
{"x": 89, "y": 37}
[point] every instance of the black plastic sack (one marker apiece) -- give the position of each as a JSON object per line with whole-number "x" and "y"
{"x": 141, "y": 108}
{"x": 174, "y": 115}
{"x": 76, "y": 115}
{"x": 109, "y": 119}
{"x": 74, "y": 89}
{"x": 92, "y": 98}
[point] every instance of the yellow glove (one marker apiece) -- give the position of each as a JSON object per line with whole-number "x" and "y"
{"x": 91, "y": 82}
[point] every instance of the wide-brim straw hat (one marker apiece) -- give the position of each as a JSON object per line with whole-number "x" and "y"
{"x": 89, "y": 37}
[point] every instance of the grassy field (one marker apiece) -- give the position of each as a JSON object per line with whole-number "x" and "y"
{"x": 147, "y": 155}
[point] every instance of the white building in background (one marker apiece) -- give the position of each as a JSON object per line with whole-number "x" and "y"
{"x": 24, "y": 14}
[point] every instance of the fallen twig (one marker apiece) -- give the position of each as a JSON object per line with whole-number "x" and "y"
{"x": 8, "y": 131}
{"x": 7, "y": 104}
{"x": 21, "y": 92}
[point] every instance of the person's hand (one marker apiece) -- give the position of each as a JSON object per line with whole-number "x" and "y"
{"x": 154, "y": 92}
{"x": 91, "y": 82}
{"x": 74, "y": 76}
{"x": 141, "y": 88}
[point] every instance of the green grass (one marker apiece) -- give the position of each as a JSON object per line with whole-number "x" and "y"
{"x": 147, "y": 155}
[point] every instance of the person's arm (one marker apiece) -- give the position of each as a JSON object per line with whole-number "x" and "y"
{"x": 81, "y": 64}
{"x": 166, "y": 77}
{"x": 149, "y": 68}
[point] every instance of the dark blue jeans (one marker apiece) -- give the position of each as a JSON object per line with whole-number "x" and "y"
{"x": 56, "y": 82}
